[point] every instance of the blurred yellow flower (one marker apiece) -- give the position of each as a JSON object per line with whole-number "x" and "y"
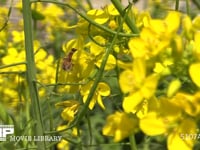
{"x": 194, "y": 71}
{"x": 173, "y": 87}
{"x": 70, "y": 109}
{"x": 184, "y": 136}
{"x": 63, "y": 144}
{"x": 112, "y": 24}
{"x": 98, "y": 16}
{"x": 111, "y": 10}
{"x": 196, "y": 45}
{"x": 18, "y": 36}
{"x": 169, "y": 119}
{"x": 98, "y": 52}
{"x": 120, "y": 125}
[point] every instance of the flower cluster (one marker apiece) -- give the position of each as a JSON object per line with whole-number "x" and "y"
{"x": 161, "y": 87}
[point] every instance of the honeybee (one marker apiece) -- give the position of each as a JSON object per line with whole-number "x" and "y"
{"x": 67, "y": 61}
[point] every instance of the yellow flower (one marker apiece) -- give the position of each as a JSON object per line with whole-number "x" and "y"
{"x": 138, "y": 47}
{"x": 168, "y": 119}
{"x": 142, "y": 19}
{"x": 58, "y": 11}
{"x": 98, "y": 52}
{"x": 98, "y": 16}
{"x": 183, "y": 137}
{"x": 172, "y": 21}
{"x": 46, "y": 67}
{"x": 137, "y": 84}
{"x": 173, "y": 87}
{"x": 102, "y": 90}
{"x": 63, "y": 144}
{"x": 196, "y": 45}
{"x": 13, "y": 56}
{"x": 70, "y": 109}
{"x": 111, "y": 62}
{"x": 194, "y": 71}
{"x": 111, "y": 10}
{"x": 188, "y": 103}
{"x": 82, "y": 63}
{"x": 95, "y": 49}
{"x": 187, "y": 26}
{"x": 18, "y": 36}
{"x": 155, "y": 36}
{"x": 120, "y": 125}
{"x": 152, "y": 124}
{"x": 112, "y": 24}
{"x": 196, "y": 23}
{"x": 163, "y": 68}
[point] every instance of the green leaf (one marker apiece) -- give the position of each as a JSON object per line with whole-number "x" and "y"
{"x": 4, "y": 116}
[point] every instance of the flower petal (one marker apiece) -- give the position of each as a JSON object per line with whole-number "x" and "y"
{"x": 103, "y": 89}
{"x": 131, "y": 102}
{"x": 152, "y": 125}
{"x": 194, "y": 71}
{"x": 100, "y": 102}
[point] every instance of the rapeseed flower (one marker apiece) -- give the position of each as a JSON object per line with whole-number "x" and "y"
{"x": 194, "y": 71}
{"x": 172, "y": 117}
{"x": 155, "y": 36}
{"x": 98, "y": 52}
{"x": 70, "y": 109}
{"x": 137, "y": 84}
{"x": 120, "y": 125}
{"x": 63, "y": 144}
{"x": 102, "y": 90}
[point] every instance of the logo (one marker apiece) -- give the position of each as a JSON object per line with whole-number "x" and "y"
{"x": 9, "y": 129}
{"x": 5, "y": 130}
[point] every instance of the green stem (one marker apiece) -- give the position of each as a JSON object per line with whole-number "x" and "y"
{"x": 188, "y": 7}
{"x": 129, "y": 22}
{"x": 132, "y": 142}
{"x": 89, "y": 3}
{"x": 11, "y": 65}
{"x": 31, "y": 72}
{"x": 177, "y": 5}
